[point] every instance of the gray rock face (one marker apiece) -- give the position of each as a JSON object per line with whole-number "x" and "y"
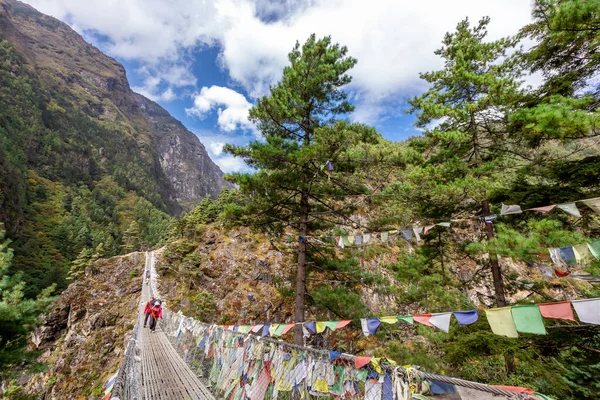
{"x": 183, "y": 158}
{"x": 76, "y": 72}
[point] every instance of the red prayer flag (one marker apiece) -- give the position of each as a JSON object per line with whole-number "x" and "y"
{"x": 360, "y": 362}
{"x": 423, "y": 319}
{"x": 516, "y": 389}
{"x": 561, "y": 274}
{"x": 543, "y": 210}
{"x": 559, "y": 310}
{"x": 287, "y": 328}
{"x": 342, "y": 324}
{"x": 428, "y": 228}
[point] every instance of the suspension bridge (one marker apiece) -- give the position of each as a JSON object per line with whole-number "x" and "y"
{"x": 176, "y": 362}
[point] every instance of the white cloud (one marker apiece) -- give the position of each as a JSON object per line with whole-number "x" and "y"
{"x": 214, "y": 143}
{"x": 232, "y": 107}
{"x": 393, "y": 41}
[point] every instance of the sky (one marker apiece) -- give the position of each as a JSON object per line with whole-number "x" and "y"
{"x": 208, "y": 61}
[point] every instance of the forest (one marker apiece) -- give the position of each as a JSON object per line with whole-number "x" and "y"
{"x": 488, "y": 139}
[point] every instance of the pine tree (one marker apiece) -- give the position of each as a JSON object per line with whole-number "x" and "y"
{"x": 469, "y": 101}
{"x": 18, "y": 315}
{"x": 297, "y": 163}
{"x": 131, "y": 237}
{"x": 78, "y": 266}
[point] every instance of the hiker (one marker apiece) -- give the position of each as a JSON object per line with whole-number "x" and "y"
{"x": 147, "y": 276}
{"x": 155, "y": 314}
{"x": 147, "y": 310}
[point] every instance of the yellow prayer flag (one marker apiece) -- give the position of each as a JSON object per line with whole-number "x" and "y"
{"x": 501, "y": 322}
{"x": 321, "y": 326}
{"x": 389, "y": 320}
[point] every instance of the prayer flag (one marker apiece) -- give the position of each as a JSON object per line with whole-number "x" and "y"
{"x": 334, "y": 354}
{"x": 510, "y": 209}
{"x": 568, "y": 255}
{"x": 570, "y": 208}
{"x": 441, "y": 321}
{"x": 244, "y": 329}
{"x": 466, "y": 317}
{"x": 340, "y": 241}
{"x": 331, "y": 324}
{"x": 360, "y": 362}
{"x": 342, "y": 324}
{"x": 358, "y": 239}
{"x": 561, "y": 274}
{"x": 257, "y": 328}
{"x": 364, "y": 326}
{"x": 366, "y": 238}
{"x": 384, "y": 237}
{"x": 406, "y": 318}
{"x": 594, "y": 204}
{"x": 329, "y": 166}
{"x": 279, "y": 330}
{"x": 388, "y": 320}
{"x": 273, "y": 329}
{"x": 582, "y": 253}
{"x": 542, "y": 210}
{"x": 373, "y": 325}
{"x": 346, "y": 241}
{"x": 501, "y": 322}
{"x": 588, "y": 310}
{"x": 559, "y": 310}
{"x": 427, "y": 229}
{"x": 287, "y": 328}
{"x": 311, "y": 326}
{"x": 423, "y": 319}
{"x": 407, "y": 234}
{"x": 418, "y": 230}
{"x": 444, "y": 224}
{"x": 265, "y": 330}
{"x": 528, "y": 319}
{"x": 555, "y": 255}
{"x": 321, "y": 327}
{"x": 595, "y": 248}
{"x": 489, "y": 218}
{"x": 351, "y": 240}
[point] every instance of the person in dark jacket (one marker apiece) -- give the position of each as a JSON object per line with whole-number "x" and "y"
{"x": 155, "y": 314}
{"x": 147, "y": 310}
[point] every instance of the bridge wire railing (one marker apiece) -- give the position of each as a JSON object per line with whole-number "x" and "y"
{"x": 246, "y": 366}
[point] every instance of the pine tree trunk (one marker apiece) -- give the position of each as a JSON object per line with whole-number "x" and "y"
{"x": 496, "y": 273}
{"x": 301, "y": 272}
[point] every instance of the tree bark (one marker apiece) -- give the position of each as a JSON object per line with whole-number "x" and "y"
{"x": 301, "y": 272}
{"x": 496, "y": 273}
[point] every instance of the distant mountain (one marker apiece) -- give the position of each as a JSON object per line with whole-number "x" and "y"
{"x": 80, "y": 79}
{"x": 86, "y": 165}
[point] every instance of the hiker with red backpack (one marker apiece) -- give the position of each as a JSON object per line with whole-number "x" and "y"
{"x": 147, "y": 310}
{"x": 155, "y": 314}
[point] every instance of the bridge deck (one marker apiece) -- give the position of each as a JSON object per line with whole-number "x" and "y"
{"x": 164, "y": 374}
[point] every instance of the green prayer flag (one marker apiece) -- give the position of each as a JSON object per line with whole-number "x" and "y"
{"x": 444, "y": 224}
{"x": 528, "y": 319}
{"x": 346, "y": 240}
{"x": 501, "y": 322}
{"x": 406, "y": 318}
{"x": 279, "y": 330}
{"x": 595, "y": 248}
{"x": 331, "y": 324}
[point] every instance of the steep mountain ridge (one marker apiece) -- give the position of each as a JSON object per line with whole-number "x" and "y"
{"x": 95, "y": 84}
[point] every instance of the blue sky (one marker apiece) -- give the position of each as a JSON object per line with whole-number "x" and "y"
{"x": 208, "y": 61}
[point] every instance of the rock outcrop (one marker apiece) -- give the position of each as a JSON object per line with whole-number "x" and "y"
{"x": 84, "y": 336}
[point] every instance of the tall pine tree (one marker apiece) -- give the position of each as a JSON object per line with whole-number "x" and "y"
{"x": 467, "y": 104}
{"x": 297, "y": 161}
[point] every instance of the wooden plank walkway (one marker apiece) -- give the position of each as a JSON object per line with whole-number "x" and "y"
{"x": 164, "y": 374}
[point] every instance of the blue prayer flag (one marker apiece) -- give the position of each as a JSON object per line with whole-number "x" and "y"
{"x": 466, "y": 317}
{"x": 312, "y": 327}
{"x": 373, "y": 325}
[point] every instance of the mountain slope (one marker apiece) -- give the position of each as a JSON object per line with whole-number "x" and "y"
{"x": 88, "y": 168}
{"x": 83, "y": 80}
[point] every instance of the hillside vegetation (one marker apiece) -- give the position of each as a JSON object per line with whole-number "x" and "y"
{"x": 270, "y": 252}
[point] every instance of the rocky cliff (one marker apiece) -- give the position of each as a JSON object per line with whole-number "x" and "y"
{"x": 84, "y": 337}
{"x": 75, "y": 77}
